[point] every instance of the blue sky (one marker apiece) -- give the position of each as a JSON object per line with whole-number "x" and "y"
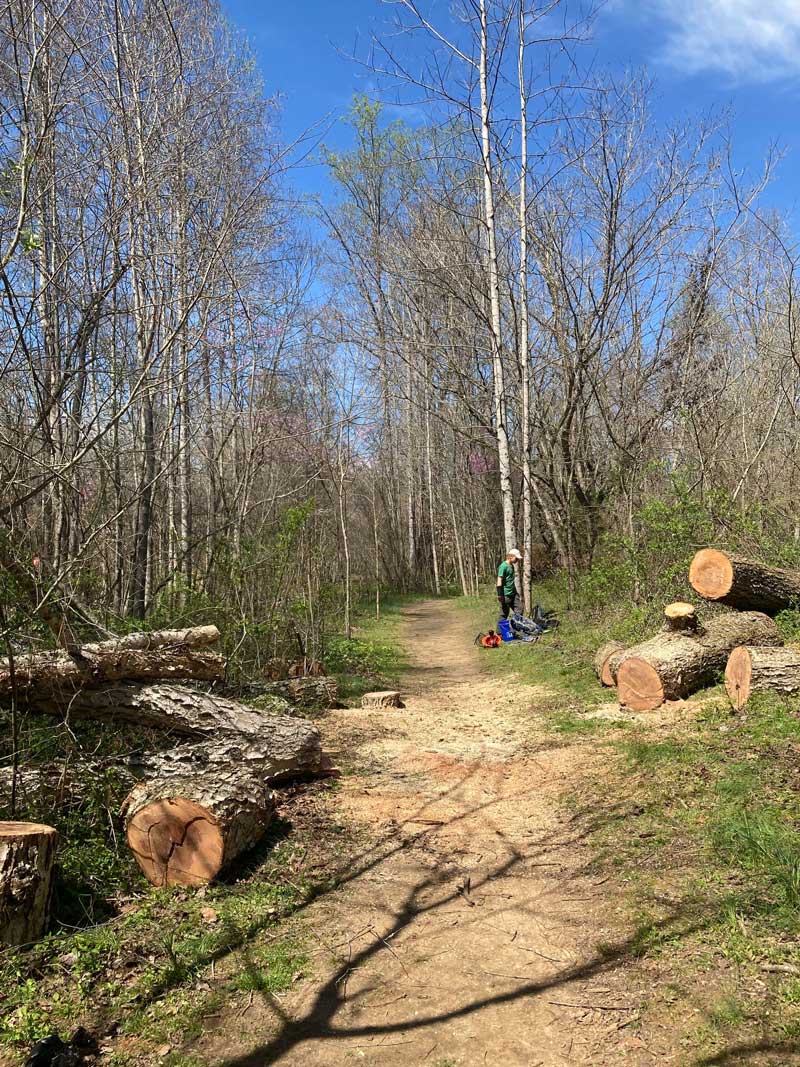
{"x": 703, "y": 55}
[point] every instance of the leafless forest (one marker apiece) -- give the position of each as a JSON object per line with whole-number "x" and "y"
{"x": 532, "y": 315}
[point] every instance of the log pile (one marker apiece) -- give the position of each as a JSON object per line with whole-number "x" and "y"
{"x": 689, "y": 655}
{"x": 200, "y": 804}
{"x": 673, "y": 665}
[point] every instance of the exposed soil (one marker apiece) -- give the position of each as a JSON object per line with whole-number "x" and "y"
{"x": 473, "y": 929}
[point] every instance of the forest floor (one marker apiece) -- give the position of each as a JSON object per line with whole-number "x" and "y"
{"x": 510, "y": 869}
{"x": 477, "y": 925}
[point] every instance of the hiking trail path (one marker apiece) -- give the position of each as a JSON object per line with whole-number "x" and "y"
{"x": 471, "y": 929}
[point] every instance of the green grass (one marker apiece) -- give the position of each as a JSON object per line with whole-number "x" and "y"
{"x": 706, "y": 817}
{"x": 142, "y": 968}
{"x": 374, "y": 657}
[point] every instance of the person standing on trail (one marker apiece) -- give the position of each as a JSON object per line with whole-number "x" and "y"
{"x": 506, "y": 582}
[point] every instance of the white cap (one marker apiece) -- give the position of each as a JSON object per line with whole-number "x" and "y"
{"x": 515, "y": 552}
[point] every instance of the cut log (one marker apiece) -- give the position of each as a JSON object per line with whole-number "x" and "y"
{"x": 743, "y": 584}
{"x": 681, "y": 617}
{"x": 275, "y": 746}
{"x": 672, "y": 666}
{"x": 387, "y": 698}
{"x": 183, "y": 830}
{"x": 602, "y": 664}
{"x": 165, "y": 654}
{"x": 27, "y": 854}
{"x": 309, "y": 693}
{"x": 754, "y": 670}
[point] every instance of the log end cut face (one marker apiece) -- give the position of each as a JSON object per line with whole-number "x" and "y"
{"x": 711, "y": 574}
{"x": 639, "y": 685}
{"x": 176, "y": 842}
{"x": 738, "y": 675}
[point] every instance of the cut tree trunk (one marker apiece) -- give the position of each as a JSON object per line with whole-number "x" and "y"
{"x": 743, "y": 584}
{"x": 681, "y": 617}
{"x": 27, "y": 854}
{"x": 754, "y": 670}
{"x": 183, "y": 830}
{"x": 165, "y": 654}
{"x": 388, "y": 698}
{"x": 273, "y": 745}
{"x": 602, "y": 662}
{"x": 319, "y": 692}
{"x": 671, "y": 666}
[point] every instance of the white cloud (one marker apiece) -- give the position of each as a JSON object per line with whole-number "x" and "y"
{"x": 751, "y": 40}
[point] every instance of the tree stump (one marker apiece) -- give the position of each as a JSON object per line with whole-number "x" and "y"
{"x": 681, "y": 617}
{"x": 602, "y": 662}
{"x": 183, "y": 830}
{"x": 742, "y": 583}
{"x": 27, "y": 854}
{"x": 388, "y": 698}
{"x": 750, "y": 670}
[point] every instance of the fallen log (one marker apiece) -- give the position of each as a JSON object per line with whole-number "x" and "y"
{"x": 602, "y": 662}
{"x": 742, "y": 583}
{"x": 272, "y": 745}
{"x": 754, "y": 670}
{"x": 671, "y": 666}
{"x": 183, "y": 830}
{"x": 319, "y": 692}
{"x": 59, "y": 674}
{"x": 27, "y": 855}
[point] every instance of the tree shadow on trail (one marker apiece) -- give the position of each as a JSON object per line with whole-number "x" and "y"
{"x": 319, "y": 1021}
{"x": 756, "y": 1054}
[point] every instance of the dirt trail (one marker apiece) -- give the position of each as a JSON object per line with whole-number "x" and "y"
{"x": 471, "y": 932}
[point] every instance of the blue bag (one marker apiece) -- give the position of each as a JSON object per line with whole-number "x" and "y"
{"x": 504, "y": 629}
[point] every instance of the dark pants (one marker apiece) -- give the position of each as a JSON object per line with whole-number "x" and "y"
{"x": 507, "y": 603}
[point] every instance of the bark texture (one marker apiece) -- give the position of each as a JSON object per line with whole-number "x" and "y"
{"x": 322, "y": 692}
{"x": 602, "y": 662}
{"x": 27, "y": 854}
{"x": 388, "y": 698}
{"x": 167, "y": 654}
{"x": 671, "y": 666}
{"x": 753, "y": 670}
{"x": 742, "y": 583}
{"x": 183, "y": 829}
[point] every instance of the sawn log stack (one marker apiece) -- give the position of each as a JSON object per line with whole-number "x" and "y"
{"x": 691, "y": 652}
{"x": 204, "y": 801}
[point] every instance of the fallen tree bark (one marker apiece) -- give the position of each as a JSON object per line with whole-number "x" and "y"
{"x": 742, "y": 583}
{"x": 59, "y": 674}
{"x": 272, "y": 745}
{"x": 602, "y": 662}
{"x": 317, "y": 692}
{"x": 754, "y": 670}
{"x": 183, "y": 830}
{"x": 671, "y": 666}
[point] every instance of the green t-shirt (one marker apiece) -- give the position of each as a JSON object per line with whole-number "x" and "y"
{"x": 505, "y": 572}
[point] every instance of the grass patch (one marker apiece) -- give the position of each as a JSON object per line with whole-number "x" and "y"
{"x": 154, "y": 972}
{"x": 706, "y": 819}
{"x": 374, "y": 657}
